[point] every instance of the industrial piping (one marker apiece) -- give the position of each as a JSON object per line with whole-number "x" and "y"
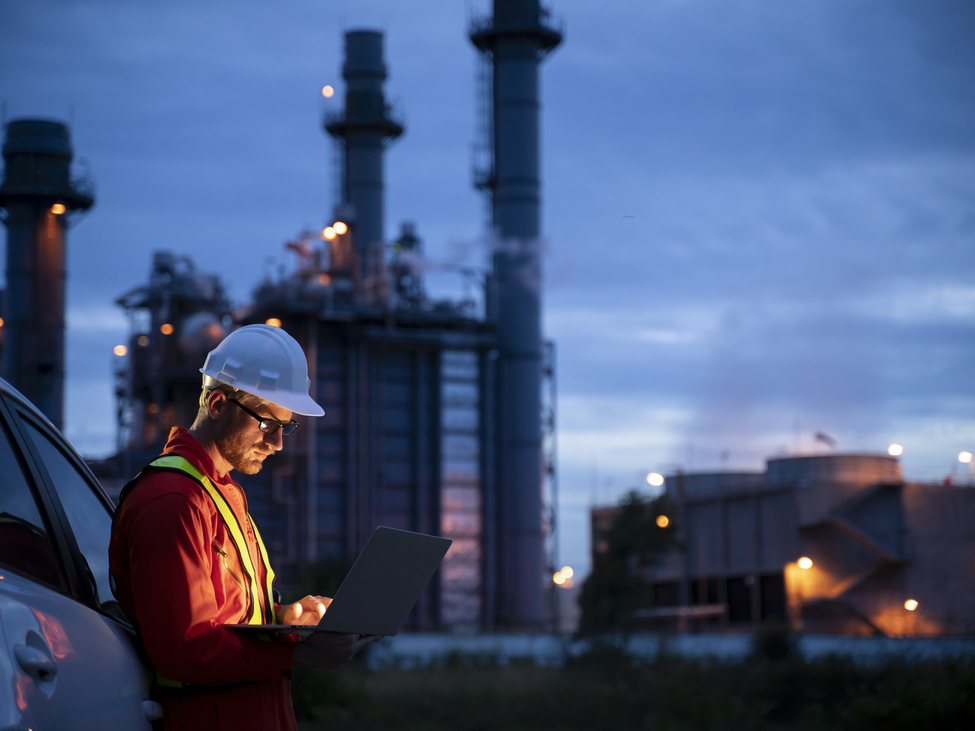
{"x": 365, "y": 128}
{"x": 36, "y": 197}
{"x": 516, "y": 39}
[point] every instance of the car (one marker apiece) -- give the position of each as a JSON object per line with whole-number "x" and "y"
{"x": 72, "y": 660}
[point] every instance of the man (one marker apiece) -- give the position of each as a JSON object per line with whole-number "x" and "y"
{"x": 186, "y": 557}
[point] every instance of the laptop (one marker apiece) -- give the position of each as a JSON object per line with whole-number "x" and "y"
{"x": 379, "y": 591}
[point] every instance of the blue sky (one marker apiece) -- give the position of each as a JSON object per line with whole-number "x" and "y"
{"x": 759, "y": 216}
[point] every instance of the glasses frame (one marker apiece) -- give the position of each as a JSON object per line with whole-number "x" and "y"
{"x": 267, "y": 425}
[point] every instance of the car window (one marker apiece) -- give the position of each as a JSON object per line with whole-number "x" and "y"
{"x": 89, "y": 518}
{"x": 25, "y": 545}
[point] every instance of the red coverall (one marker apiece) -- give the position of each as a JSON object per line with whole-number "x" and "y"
{"x": 175, "y": 586}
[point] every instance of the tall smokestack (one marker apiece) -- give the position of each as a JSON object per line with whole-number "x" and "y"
{"x": 516, "y": 39}
{"x": 37, "y": 197}
{"x": 365, "y": 128}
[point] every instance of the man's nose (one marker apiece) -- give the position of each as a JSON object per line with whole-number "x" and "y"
{"x": 275, "y": 440}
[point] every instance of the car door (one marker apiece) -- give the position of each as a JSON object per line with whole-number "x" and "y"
{"x": 74, "y": 660}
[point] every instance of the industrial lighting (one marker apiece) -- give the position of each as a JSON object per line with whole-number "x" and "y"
{"x": 965, "y": 457}
{"x": 273, "y": 322}
{"x": 567, "y": 572}
{"x": 340, "y": 228}
{"x": 805, "y": 562}
{"x": 663, "y": 521}
{"x": 655, "y": 479}
{"x": 328, "y": 233}
{"x": 58, "y": 208}
{"x": 143, "y": 340}
{"x": 166, "y": 329}
{"x": 327, "y": 91}
{"x": 895, "y": 450}
{"x": 120, "y": 350}
{"x": 559, "y": 578}
{"x": 910, "y": 605}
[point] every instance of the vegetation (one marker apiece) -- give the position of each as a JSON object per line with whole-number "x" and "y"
{"x": 607, "y": 689}
{"x": 616, "y": 587}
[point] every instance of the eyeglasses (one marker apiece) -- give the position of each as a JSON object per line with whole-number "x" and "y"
{"x": 269, "y": 426}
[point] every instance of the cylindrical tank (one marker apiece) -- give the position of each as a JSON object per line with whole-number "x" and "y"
{"x": 516, "y": 39}
{"x": 365, "y": 129}
{"x": 37, "y": 195}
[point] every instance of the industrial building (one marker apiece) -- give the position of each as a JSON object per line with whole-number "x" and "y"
{"x": 832, "y": 544}
{"x": 439, "y": 415}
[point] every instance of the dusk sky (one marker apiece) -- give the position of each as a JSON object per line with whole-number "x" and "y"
{"x": 759, "y": 216}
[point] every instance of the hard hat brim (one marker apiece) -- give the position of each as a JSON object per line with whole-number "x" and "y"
{"x": 296, "y": 403}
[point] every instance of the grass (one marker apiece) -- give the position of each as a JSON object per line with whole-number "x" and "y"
{"x": 609, "y": 690}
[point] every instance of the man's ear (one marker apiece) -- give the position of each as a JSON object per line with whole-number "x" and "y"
{"x": 217, "y": 405}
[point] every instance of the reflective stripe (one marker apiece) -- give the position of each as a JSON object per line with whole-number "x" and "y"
{"x": 175, "y": 462}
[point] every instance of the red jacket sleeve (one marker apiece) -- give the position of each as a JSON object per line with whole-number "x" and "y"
{"x": 169, "y": 543}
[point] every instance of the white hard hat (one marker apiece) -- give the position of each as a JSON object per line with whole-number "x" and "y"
{"x": 264, "y": 361}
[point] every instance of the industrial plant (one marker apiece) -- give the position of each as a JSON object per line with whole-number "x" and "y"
{"x": 440, "y": 414}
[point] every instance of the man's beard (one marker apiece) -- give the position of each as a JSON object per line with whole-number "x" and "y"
{"x": 235, "y": 448}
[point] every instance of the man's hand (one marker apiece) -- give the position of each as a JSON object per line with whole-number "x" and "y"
{"x": 308, "y": 611}
{"x": 328, "y": 650}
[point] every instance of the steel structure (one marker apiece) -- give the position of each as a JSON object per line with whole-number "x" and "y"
{"x": 516, "y": 38}
{"x": 38, "y": 198}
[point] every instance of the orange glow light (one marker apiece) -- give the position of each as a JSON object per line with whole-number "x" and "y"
{"x": 805, "y": 562}
{"x": 58, "y": 208}
{"x": 1, "y": 322}
{"x": 273, "y": 322}
{"x": 663, "y": 521}
{"x": 655, "y": 479}
{"x": 324, "y": 279}
{"x": 327, "y": 91}
{"x": 340, "y": 228}
{"x": 558, "y": 577}
{"x": 153, "y": 408}
{"x": 166, "y": 329}
{"x": 567, "y": 572}
{"x": 328, "y": 233}
{"x": 910, "y": 605}
{"x": 120, "y": 350}
{"x": 143, "y": 340}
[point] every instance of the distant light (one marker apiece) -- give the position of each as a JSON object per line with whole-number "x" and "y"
{"x": 663, "y": 521}
{"x": 1, "y": 322}
{"x": 895, "y": 450}
{"x": 328, "y": 233}
{"x": 58, "y": 208}
{"x": 143, "y": 340}
{"x": 327, "y": 91}
{"x": 567, "y": 572}
{"x": 910, "y": 605}
{"x": 340, "y": 228}
{"x": 153, "y": 408}
{"x": 805, "y": 562}
{"x": 120, "y": 350}
{"x": 273, "y": 322}
{"x": 655, "y": 479}
{"x": 558, "y": 577}
{"x": 965, "y": 457}
{"x": 166, "y": 329}
{"x": 324, "y": 279}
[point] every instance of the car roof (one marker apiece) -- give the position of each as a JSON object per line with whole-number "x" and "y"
{"x": 17, "y": 396}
